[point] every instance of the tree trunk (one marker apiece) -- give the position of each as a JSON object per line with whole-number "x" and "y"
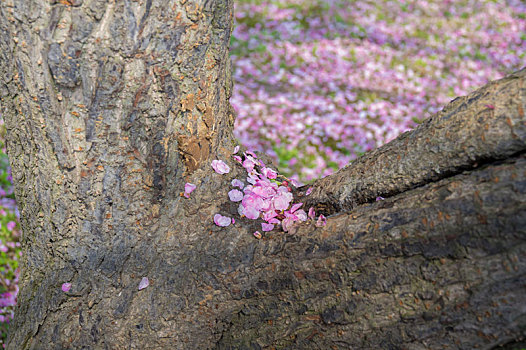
{"x": 111, "y": 106}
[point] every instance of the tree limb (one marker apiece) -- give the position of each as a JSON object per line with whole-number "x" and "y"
{"x": 487, "y": 125}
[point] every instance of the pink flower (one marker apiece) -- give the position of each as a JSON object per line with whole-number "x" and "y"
{"x": 266, "y": 227}
{"x": 238, "y": 183}
{"x": 144, "y": 283}
{"x": 189, "y": 188}
{"x": 11, "y": 225}
{"x": 66, "y": 287}
{"x": 220, "y": 167}
{"x": 322, "y": 221}
{"x": 235, "y": 195}
{"x": 222, "y": 221}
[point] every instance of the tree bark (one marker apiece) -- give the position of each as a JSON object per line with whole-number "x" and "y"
{"x": 111, "y": 106}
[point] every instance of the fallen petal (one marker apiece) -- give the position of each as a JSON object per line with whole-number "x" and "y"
{"x": 257, "y": 234}
{"x": 222, "y": 221}
{"x": 220, "y": 167}
{"x": 309, "y": 191}
{"x": 312, "y": 213}
{"x": 238, "y": 183}
{"x": 322, "y": 221}
{"x": 235, "y": 195}
{"x": 144, "y": 283}
{"x": 266, "y": 227}
{"x": 236, "y": 149}
{"x": 189, "y": 188}
{"x": 66, "y": 287}
{"x": 295, "y": 207}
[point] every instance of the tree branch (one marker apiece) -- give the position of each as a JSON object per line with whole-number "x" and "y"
{"x": 487, "y": 125}
{"x": 442, "y": 265}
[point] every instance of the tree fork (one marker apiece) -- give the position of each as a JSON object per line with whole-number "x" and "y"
{"x": 111, "y": 106}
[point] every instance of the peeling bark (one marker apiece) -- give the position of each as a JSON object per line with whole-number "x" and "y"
{"x": 111, "y": 106}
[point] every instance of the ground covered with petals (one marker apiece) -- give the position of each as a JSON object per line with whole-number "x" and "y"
{"x": 319, "y": 82}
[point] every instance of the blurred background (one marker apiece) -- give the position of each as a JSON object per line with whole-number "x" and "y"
{"x": 320, "y": 82}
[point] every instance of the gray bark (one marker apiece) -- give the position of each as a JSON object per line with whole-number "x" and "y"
{"x": 111, "y": 106}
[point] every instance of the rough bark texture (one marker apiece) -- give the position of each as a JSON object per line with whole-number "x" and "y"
{"x": 485, "y": 126}
{"x": 111, "y": 106}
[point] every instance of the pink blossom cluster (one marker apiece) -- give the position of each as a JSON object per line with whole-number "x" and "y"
{"x": 320, "y": 82}
{"x": 263, "y": 197}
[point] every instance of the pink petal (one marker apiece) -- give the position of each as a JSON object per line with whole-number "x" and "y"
{"x": 257, "y": 234}
{"x": 281, "y": 201}
{"x": 322, "y": 221}
{"x": 286, "y": 223}
{"x": 295, "y": 207}
{"x": 222, "y": 221}
{"x": 144, "y": 283}
{"x": 241, "y": 209}
{"x": 66, "y": 287}
{"x": 295, "y": 182}
{"x": 238, "y": 158}
{"x": 312, "y": 213}
{"x": 189, "y": 188}
{"x": 249, "y": 163}
{"x": 238, "y": 183}
{"x": 236, "y": 149}
{"x": 271, "y": 174}
{"x": 301, "y": 214}
{"x": 266, "y": 227}
{"x": 220, "y": 167}
{"x": 269, "y": 215}
{"x": 252, "y": 154}
{"x": 273, "y": 221}
{"x": 309, "y": 191}
{"x": 235, "y": 195}
{"x": 251, "y": 213}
